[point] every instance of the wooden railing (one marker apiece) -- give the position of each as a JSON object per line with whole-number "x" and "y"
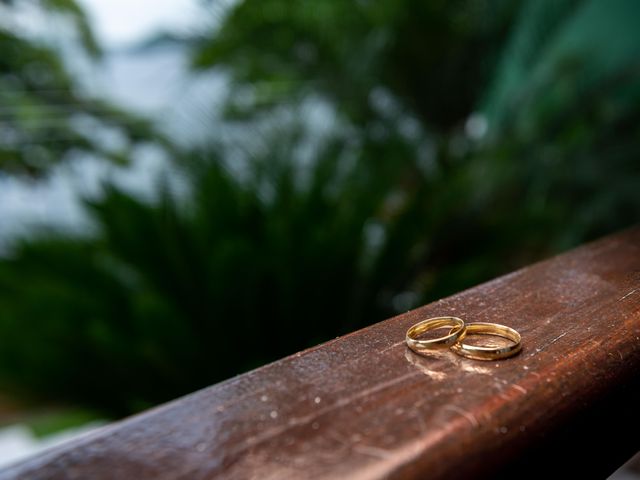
{"x": 363, "y": 406}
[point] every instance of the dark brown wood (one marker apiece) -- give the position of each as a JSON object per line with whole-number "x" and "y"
{"x": 363, "y": 406}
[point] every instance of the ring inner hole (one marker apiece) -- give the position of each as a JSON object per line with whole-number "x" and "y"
{"x": 434, "y": 332}
{"x": 487, "y": 340}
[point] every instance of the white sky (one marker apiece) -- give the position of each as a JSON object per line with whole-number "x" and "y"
{"x": 121, "y": 22}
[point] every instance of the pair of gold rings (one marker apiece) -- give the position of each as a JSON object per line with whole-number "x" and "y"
{"x": 458, "y": 333}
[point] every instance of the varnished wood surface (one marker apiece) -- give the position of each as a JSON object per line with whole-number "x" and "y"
{"x": 364, "y": 407}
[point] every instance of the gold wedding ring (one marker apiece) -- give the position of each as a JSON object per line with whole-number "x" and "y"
{"x": 419, "y": 346}
{"x": 487, "y": 353}
{"x": 458, "y": 333}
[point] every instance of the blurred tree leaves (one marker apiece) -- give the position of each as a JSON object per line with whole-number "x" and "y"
{"x": 81, "y": 23}
{"x": 459, "y": 140}
{"x": 157, "y": 303}
{"x": 44, "y": 114}
{"x": 565, "y": 103}
{"x": 435, "y": 56}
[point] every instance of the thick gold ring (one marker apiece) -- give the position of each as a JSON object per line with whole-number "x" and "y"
{"x": 488, "y": 353}
{"x": 419, "y": 346}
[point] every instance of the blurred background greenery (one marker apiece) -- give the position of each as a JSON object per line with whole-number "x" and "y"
{"x": 372, "y": 157}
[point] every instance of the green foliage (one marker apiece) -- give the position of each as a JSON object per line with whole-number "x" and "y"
{"x": 50, "y": 422}
{"x": 71, "y": 9}
{"x": 555, "y": 83}
{"x": 405, "y": 198}
{"x": 565, "y": 103}
{"x": 434, "y": 56}
{"x": 159, "y": 301}
{"x": 44, "y": 115}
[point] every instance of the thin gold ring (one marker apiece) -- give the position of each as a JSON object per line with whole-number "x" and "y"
{"x": 419, "y": 346}
{"x": 488, "y": 353}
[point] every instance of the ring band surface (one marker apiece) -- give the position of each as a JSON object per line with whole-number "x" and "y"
{"x": 488, "y": 353}
{"x": 457, "y": 328}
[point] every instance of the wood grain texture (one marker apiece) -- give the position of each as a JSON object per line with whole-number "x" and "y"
{"x": 364, "y": 407}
